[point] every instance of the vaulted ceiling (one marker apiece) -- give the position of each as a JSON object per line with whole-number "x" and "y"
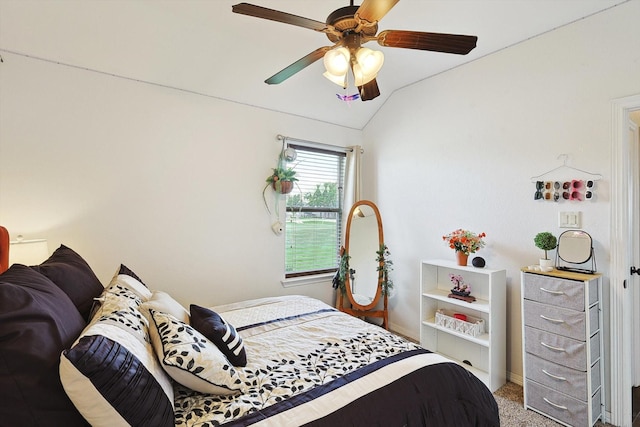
{"x": 202, "y": 47}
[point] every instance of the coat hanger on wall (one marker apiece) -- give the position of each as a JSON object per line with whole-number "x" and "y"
{"x": 590, "y": 175}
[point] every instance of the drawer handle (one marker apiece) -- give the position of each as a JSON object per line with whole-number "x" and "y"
{"x": 552, "y": 292}
{"x": 552, "y": 347}
{"x": 554, "y": 404}
{"x": 551, "y": 320}
{"x": 554, "y": 376}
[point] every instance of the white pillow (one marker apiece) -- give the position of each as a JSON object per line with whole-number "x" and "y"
{"x": 132, "y": 284}
{"x": 190, "y": 358}
{"x": 162, "y": 301}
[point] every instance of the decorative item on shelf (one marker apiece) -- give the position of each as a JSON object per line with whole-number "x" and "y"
{"x": 547, "y": 242}
{"x": 460, "y": 290}
{"x": 478, "y": 262}
{"x": 465, "y": 324}
{"x": 464, "y": 242}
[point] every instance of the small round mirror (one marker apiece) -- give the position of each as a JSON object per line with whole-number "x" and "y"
{"x": 574, "y": 246}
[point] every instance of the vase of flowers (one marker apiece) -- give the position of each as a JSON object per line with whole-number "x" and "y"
{"x": 464, "y": 242}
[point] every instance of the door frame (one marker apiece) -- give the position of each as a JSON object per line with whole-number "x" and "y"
{"x": 620, "y": 304}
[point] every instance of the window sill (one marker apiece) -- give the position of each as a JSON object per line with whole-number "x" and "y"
{"x": 307, "y": 280}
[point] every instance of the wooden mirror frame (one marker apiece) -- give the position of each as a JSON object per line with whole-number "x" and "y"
{"x": 352, "y": 307}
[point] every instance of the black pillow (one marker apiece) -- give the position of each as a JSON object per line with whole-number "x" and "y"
{"x": 37, "y": 322}
{"x": 73, "y": 275}
{"x": 222, "y": 334}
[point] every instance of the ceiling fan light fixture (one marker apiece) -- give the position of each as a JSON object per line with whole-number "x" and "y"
{"x": 336, "y": 61}
{"x": 360, "y": 77}
{"x": 370, "y": 60}
{"x": 339, "y": 80}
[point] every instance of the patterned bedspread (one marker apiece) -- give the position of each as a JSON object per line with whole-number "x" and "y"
{"x": 306, "y": 360}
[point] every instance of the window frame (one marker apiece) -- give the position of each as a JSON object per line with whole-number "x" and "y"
{"x": 340, "y": 153}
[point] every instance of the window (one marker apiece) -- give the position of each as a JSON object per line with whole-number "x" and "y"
{"x": 314, "y": 212}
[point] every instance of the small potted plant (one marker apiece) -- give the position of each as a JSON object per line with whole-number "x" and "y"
{"x": 547, "y": 242}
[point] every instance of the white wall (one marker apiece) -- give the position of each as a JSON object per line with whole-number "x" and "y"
{"x": 167, "y": 182}
{"x": 460, "y": 149}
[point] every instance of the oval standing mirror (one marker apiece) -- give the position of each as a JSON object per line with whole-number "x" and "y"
{"x": 363, "y": 284}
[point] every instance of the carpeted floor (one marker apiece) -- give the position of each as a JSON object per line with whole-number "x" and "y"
{"x": 512, "y": 413}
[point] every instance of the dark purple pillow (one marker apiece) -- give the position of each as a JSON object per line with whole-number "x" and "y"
{"x": 218, "y": 331}
{"x": 73, "y": 275}
{"x": 37, "y": 322}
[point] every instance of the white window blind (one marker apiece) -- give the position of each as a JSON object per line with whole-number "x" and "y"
{"x": 314, "y": 212}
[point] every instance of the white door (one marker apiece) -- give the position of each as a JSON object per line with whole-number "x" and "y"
{"x": 634, "y": 282}
{"x": 623, "y": 287}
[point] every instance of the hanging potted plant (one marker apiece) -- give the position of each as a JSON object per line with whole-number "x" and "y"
{"x": 282, "y": 179}
{"x": 547, "y": 242}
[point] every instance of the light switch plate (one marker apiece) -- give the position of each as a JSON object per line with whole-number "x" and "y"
{"x": 569, "y": 219}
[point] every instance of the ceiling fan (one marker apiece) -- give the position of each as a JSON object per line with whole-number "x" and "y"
{"x": 349, "y": 28}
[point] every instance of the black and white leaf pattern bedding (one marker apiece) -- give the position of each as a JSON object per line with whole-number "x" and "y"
{"x": 119, "y": 306}
{"x": 298, "y": 351}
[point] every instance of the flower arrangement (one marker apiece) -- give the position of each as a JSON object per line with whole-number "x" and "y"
{"x": 459, "y": 287}
{"x": 465, "y": 241}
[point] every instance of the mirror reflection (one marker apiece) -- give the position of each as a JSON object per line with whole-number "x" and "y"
{"x": 363, "y": 244}
{"x": 575, "y": 247}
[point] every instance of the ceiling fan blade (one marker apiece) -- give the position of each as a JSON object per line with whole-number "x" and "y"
{"x": 369, "y": 90}
{"x": 299, "y": 65}
{"x": 276, "y": 15}
{"x": 372, "y": 11}
{"x": 438, "y": 42}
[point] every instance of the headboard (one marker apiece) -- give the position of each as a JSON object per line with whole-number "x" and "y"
{"x": 4, "y": 249}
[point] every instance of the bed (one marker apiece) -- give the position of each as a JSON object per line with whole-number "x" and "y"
{"x": 75, "y": 352}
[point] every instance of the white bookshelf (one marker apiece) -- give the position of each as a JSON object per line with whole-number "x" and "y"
{"x": 486, "y": 353}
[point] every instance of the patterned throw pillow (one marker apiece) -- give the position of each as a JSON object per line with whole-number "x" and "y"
{"x": 222, "y": 334}
{"x": 126, "y": 278}
{"x": 162, "y": 301}
{"x": 111, "y": 373}
{"x": 189, "y": 358}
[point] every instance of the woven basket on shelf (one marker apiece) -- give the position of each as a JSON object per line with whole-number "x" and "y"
{"x": 472, "y": 327}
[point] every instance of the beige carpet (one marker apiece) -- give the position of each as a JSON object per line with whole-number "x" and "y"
{"x": 512, "y": 413}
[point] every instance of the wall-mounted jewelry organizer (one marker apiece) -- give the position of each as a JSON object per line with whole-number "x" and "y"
{"x": 565, "y": 183}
